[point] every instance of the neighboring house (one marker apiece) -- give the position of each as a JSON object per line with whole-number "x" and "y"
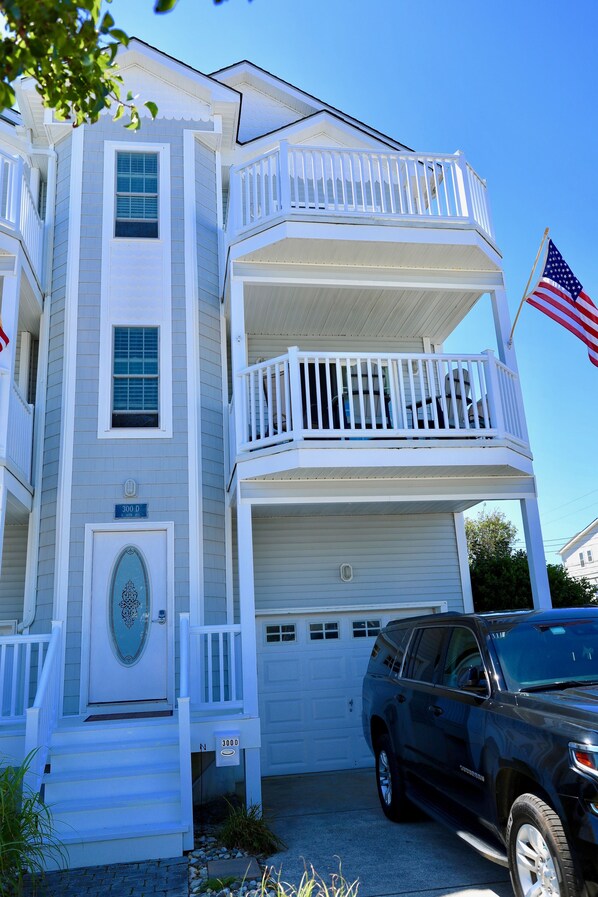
{"x": 231, "y": 445}
{"x": 580, "y": 554}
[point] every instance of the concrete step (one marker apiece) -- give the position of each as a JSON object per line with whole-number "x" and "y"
{"x": 109, "y": 730}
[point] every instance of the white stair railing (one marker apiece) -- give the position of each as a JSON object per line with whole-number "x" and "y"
{"x": 41, "y": 717}
{"x": 184, "y": 720}
{"x": 22, "y": 659}
{"x": 216, "y": 667}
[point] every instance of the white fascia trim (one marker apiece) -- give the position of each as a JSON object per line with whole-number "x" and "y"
{"x": 194, "y": 447}
{"x": 439, "y": 607}
{"x": 105, "y": 430}
{"x": 581, "y": 535}
{"x": 126, "y": 526}
{"x": 69, "y": 379}
{"x": 463, "y": 563}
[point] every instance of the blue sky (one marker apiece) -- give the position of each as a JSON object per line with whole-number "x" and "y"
{"x": 513, "y": 84}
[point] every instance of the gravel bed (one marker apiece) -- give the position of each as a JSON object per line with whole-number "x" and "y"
{"x": 207, "y": 848}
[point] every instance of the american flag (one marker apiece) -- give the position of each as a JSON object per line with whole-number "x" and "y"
{"x": 4, "y": 340}
{"x": 560, "y": 295}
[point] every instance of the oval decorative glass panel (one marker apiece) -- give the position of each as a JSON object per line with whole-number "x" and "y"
{"x": 129, "y": 606}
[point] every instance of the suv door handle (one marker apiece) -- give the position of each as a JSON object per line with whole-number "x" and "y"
{"x": 436, "y": 710}
{"x": 400, "y": 698}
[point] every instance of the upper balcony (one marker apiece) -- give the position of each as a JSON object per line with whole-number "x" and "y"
{"x": 295, "y": 183}
{"x": 19, "y": 216}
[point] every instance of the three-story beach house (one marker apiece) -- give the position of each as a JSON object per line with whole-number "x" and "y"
{"x": 231, "y": 444}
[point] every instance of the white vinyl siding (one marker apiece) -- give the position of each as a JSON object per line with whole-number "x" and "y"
{"x": 396, "y": 559}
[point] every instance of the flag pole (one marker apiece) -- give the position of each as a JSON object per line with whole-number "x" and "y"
{"x": 510, "y": 340}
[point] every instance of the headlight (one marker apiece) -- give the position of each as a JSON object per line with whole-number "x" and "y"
{"x": 584, "y": 757}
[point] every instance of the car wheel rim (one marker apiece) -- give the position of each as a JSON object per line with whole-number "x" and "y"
{"x": 384, "y": 780}
{"x": 536, "y": 867}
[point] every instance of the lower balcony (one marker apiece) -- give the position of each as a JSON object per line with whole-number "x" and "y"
{"x": 370, "y": 397}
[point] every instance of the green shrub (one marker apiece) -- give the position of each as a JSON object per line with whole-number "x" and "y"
{"x": 245, "y": 829}
{"x": 26, "y": 831}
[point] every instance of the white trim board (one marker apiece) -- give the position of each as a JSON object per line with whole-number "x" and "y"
{"x": 438, "y": 607}
{"x": 118, "y": 305}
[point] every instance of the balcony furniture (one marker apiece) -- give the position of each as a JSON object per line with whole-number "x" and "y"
{"x": 316, "y": 388}
{"x": 445, "y": 410}
{"x": 368, "y": 400}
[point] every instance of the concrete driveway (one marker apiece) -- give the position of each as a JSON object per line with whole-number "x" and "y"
{"x": 329, "y": 817}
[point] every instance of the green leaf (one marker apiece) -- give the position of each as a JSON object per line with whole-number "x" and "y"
{"x": 164, "y": 5}
{"x": 119, "y": 112}
{"x": 120, "y": 36}
{"x": 153, "y": 109}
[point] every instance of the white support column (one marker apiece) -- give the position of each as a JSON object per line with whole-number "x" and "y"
{"x": 502, "y": 327}
{"x": 3, "y": 500}
{"x": 535, "y": 553}
{"x": 253, "y": 786}
{"x": 238, "y": 359}
{"x": 10, "y": 321}
{"x": 253, "y": 778}
{"x": 247, "y": 605}
{"x": 461, "y": 538}
{"x": 22, "y": 375}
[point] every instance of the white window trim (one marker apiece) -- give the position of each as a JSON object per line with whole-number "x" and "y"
{"x": 162, "y": 244}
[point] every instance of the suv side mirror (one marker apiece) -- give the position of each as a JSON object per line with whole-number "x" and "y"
{"x": 473, "y": 679}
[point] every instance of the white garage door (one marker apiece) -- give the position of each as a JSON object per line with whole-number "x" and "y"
{"x": 310, "y": 672}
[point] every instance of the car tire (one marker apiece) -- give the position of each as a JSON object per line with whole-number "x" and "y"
{"x": 389, "y": 780}
{"x": 540, "y": 859}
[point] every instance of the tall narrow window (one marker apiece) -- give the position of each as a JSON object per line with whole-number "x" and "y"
{"x": 135, "y": 377}
{"x": 136, "y": 195}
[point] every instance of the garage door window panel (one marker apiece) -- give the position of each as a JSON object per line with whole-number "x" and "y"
{"x": 366, "y": 628}
{"x": 319, "y": 632}
{"x": 280, "y": 632}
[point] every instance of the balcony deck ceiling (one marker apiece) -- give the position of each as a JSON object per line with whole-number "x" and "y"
{"x": 375, "y": 246}
{"x": 355, "y": 312}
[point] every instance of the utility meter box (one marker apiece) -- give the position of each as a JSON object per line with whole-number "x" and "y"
{"x": 228, "y": 748}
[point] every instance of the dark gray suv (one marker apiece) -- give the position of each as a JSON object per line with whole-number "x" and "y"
{"x": 489, "y": 723}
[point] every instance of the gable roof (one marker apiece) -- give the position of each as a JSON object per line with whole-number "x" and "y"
{"x": 579, "y": 537}
{"x": 305, "y": 104}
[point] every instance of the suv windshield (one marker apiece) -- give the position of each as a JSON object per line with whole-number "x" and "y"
{"x": 544, "y": 654}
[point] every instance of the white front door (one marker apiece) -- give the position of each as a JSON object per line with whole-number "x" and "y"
{"x": 129, "y": 637}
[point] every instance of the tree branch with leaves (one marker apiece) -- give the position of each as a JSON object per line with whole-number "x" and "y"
{"x": 70, "y": 49}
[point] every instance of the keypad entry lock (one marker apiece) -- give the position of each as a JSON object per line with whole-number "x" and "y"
{"x": 161, "y": 618}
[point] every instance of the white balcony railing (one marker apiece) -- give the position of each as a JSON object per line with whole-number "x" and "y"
{"x": 19, "y": 435}
{"x": 324, "y": 395}
{"x": 331, "y": 182}
{"x": 21, "y": 664}
{"x": 18, "y": 210}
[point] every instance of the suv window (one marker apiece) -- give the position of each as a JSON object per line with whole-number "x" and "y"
{"x": 388, "y": 652}
{"x": 463, "y": 667}
{"x": 425, "y": 653}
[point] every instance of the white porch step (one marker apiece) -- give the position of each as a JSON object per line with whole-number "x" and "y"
{"x": 114, "y": 754}
{"x": 102, "y": 781}
{"x": 122, "y": 844}
{"x": 88, "y": 814}
{"x": 114, "y": 791}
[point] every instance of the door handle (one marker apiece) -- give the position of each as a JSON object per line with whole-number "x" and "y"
{"x": 436, "y": 710}
{"x": 400, "y": 698}
{"x": 161, "y": 618}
